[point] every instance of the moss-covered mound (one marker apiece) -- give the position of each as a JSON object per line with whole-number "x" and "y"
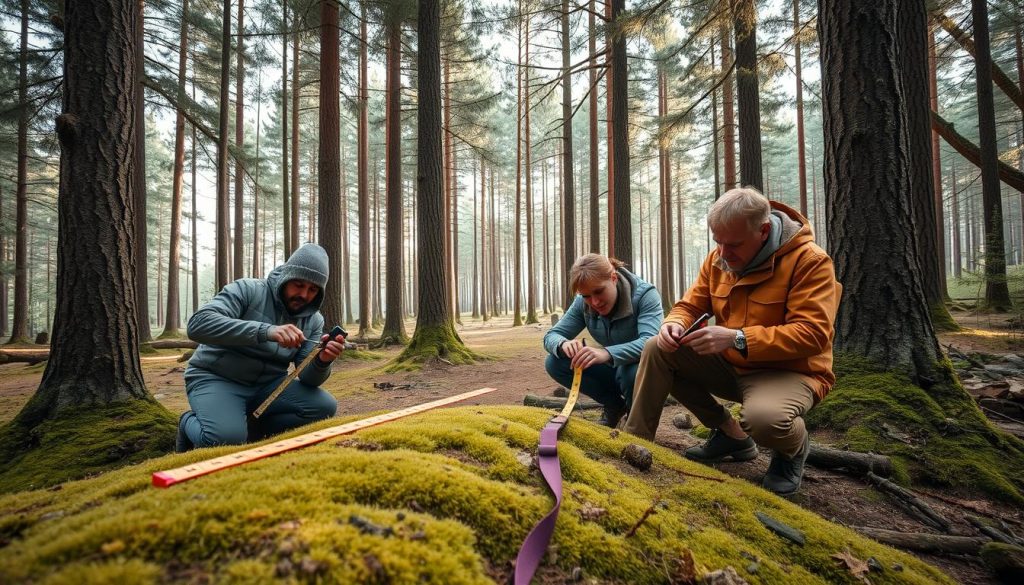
{"x": 83, "y": 443}
{"x": 443, "y": 497}
{"x": 935, "y": 437}
{"x": 430, "y": 345}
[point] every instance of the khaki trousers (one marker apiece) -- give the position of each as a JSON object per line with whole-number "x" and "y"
{"x": 774, "y": 401}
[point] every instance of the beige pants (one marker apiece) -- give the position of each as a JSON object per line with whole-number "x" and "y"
{"x": 773, "y": 400}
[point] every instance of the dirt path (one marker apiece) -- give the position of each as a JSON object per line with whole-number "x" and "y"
{"x": 517, "y": 368}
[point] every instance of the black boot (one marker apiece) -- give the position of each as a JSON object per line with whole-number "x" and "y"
{"x": 611, "y": 416}
{"x": 182, "y": 443}
{"x": 785, "y": 474}
{"x": 722, "y": 447}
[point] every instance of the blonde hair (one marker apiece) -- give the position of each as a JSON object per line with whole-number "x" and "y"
{"x": 592, "y": 267}
{"x": 744, "y": 202}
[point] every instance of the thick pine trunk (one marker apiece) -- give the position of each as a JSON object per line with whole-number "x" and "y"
{"x": 868, "y": 180}
{"x": 997, "y": 294}
{"x": 933, "y": 100}
{"x": 296, "y": 93}
{"x": 595, "y": 191}
{"x": 609, "y": 109}
{"x": 329, "y": 162}
{"x": 745, "y": 17}
{"x": 620, "y": 122}
{"x": 286, "y": 223}
{"x": 363, "y": 166}
{"x": 96, "y": 289}
{"x": 223, "y": 273}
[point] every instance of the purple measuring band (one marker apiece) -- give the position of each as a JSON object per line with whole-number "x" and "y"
{"x": 532, "y": 550}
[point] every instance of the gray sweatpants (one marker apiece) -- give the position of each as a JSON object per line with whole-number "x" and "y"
{"x": 221, "y": 409}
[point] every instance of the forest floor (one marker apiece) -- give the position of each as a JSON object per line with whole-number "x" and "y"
{"x": 516, "y": 367}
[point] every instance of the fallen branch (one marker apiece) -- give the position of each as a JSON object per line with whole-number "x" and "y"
{"x": 853, "y": 461}
{"x": 910, "y": 503}
{"x": 992, "y": 532}
{"x": 27, "y": 357}
{"x": 922, "y": 542}
{"x": 173, "y": 344}
{"x": 554, "y": 402}
{"x": 968, "y": 506}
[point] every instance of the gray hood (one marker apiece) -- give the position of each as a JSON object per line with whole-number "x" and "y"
{"x": 309, "y": 263}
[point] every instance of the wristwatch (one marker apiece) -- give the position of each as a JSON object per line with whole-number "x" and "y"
{"x": 740, "y": 342}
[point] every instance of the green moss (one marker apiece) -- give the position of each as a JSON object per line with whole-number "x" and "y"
{"x": 363, "y": 355}
{"x": 936, "y": 437}
{"x": 433, "y": 344}
{"x": 83, "y": 442}
{"x": 942, "y": 320}
{"x": 457, "y": 491}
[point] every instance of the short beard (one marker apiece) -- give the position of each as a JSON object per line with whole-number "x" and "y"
{"x": 288, "y": 306}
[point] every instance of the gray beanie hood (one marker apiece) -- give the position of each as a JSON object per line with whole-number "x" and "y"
{"x": 308, "y": 263}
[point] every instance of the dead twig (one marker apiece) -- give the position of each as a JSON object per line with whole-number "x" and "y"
{"x": 647, "y": 513}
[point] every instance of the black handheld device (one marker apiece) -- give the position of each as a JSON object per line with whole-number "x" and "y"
{"x": 696, "y": 324}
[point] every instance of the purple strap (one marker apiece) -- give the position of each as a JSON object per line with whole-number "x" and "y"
{"x": 532, "y": 550}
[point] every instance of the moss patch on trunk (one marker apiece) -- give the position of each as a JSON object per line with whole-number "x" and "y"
{"x": 83, "y": 442}
{"x": 433, "y": 344}
{"x": 936, "y": 437}
{"x": 442, "y": 497}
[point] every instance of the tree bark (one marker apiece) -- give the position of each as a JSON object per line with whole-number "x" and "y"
{"x": 139, "y": 178}
{"x": 394, "y": 324}
{"x": 517, "y": 318}
{"x": 800, "y": 146}
{"x": 329, "y": 162}
{"x": 620, "y": 123}
{"x": 745, "y": 18}
{"x": 172, "y": 321}
{"x": 195, "y": 220}
{"x": 239, "y": 254}
{"x": 926, "y": 543}
{"x": 868, "y": 187}
{"x": 96, "y": 287}
{"x": 568, "y": 188}
{"x": 997, "y": 293}
{"x": 223, "y": 234}
{"x": 19, "y": 327}
{"x": 728, "y": 113}
{"x": 285, "y": 206}
{"x": 933, "y": 95}
{"x": 296, "y": 93}
{"x": 363, "y": 166}
{"x": 595, "y": 191}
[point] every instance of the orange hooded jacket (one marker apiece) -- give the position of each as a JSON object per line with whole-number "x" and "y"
{"x": 786, "y": 306}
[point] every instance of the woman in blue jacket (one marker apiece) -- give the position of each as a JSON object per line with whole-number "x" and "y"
{"x": 621, "y": 311}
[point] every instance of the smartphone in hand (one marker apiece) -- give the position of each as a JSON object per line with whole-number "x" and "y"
{"x": 696, "y": 324}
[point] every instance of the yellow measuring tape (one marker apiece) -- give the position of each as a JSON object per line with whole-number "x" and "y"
{"x": 172, "y": 476}
{"x": 574, "y": 393}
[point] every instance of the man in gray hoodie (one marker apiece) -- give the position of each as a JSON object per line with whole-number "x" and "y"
{"x": 248, "y": 334}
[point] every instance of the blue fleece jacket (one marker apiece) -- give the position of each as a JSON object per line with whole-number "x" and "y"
{"x": 232, "y": 328}
{"x": 624, "y": 331}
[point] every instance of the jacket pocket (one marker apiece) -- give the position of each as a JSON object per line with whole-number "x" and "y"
{"x": 720, "y": 303}
{"x": 767, "y": 306}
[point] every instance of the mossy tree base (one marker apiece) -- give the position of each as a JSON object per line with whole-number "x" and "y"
{"x": 434, "y": 344}
{"x": 936, "y": 437}
{"x": 442, "y": 497}
{"x": 942, "y": 320}
{"x": 82, "y": 442}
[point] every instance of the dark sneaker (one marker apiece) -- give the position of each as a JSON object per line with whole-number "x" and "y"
{"x": 722, "y": 447}
{"x": 610, "y": 416}
{"x": 182, "y": 443}
{"x": 784, "y": 474}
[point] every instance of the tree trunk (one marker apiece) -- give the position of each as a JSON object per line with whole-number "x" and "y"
{"x": 139, "y": 188}
{"x": 285, "y": 207}
{"x": 997, "y": 294}
{"x": 239, "y": 254}
{"x": 868, "y": 181}
{"x": 475, "y": 291}
{"x": 801, "y": 159}
{"x": 517, "y": 318}
{"x": 1000, "y": 77}
{"x": 363, "y": 166}
{"x": 394, "y": 325}
{"x": 96, "y": 208}
{"x": 345, "y": 267}
{"x": 664, "y": 200}
{"x": 375, "y": 290}
{"x": 531, "y": 275}
{"x": 296, "y": 93}
{"x": 435, "y": 331}
{"x": 683, "y": 281}
{"x": 329, "y": 167}
{"x": 257, "y": 221}
{"x": 745, "y": 16}
{"x": 609, "y": 109}
{"x": 595, "y": 191}
{"x": 728, "y": 113}
{"x": 19, "y": 328}
{"x": 568, "y": 189}
{"x": 3, "y": 269}
{"x": 955, "y": 220}
{"x": 1019, "y": 53}
{"x": 485, "y": 311}
{"x": 933, "y": 94}
{"x": 223, "y": 234}
{"x": 172, "y": 321}
{"x": 195, "y": 221}
{"x": 620, "y": 117}
{"x": 912, "y": 27}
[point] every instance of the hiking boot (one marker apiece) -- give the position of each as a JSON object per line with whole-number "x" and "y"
{"x": 182, "y": 443}
{"x": 784, "y": 474}
{"x": 611, "y": 416}
{"x": 722, "y": 447}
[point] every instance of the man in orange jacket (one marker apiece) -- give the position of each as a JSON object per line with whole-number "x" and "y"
{"x": 774, "y": 295}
